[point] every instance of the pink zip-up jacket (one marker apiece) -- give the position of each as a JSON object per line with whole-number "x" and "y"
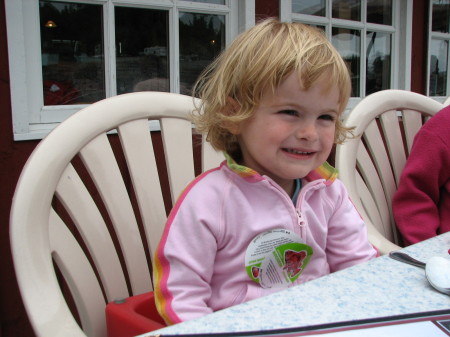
{"x": 199, "y": 266}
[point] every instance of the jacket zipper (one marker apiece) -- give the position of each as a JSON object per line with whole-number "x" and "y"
{"x": 300, "y": 222}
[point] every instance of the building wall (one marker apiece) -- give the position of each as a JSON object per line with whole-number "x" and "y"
{"x": 13, "y": 155}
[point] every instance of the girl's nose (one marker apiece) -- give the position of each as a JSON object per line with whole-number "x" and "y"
{"x": 307, "y": 131}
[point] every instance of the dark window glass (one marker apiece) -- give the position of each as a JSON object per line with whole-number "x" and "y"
{"x": 379, "y": 11}
{"x": 202, "y": 38}
{"x": 347, "y": 9}
{"x": 142, "y": 50}
{"x": 311, "y": 7}
{"x": 441, "y": 16}
{"x": 438, "y": 67}
{"x": 378, "y": 61}
{"x": 73, "y": 62}
{"x": 348, "y": 43}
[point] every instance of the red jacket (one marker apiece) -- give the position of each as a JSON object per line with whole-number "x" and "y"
{"x": 421, "y": 204}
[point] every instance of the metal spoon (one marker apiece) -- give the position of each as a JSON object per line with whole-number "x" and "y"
{"x": 437, "y": 270}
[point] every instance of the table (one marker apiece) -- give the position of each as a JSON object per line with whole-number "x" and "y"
{"x": 378, "y": 288}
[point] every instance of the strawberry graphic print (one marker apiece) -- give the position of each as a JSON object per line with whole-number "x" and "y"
{"x": 276, "y": 258}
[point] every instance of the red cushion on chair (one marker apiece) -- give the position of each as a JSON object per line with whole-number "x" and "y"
{"x": 133, "y": 316}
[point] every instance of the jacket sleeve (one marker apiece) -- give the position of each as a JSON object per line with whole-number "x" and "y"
{"x": 184, "y": 260}
{"x": 415, "y": 204}
{"x": 347, "y": 241}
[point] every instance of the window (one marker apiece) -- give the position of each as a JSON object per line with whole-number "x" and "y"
{"x": 373, "y": 37}
{"x": 66, "y": 54}
{"x": 438, "y": 51}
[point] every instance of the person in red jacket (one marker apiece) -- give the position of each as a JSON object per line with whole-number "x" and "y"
{"x": 421, "y": 204}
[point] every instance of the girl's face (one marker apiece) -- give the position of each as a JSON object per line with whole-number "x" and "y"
{"x": 291, "y": 131}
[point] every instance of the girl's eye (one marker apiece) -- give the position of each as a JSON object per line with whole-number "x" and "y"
{"x": 328, "y": 117}
{"x": 289, "y": 112}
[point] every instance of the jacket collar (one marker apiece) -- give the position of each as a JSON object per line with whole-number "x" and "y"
{"x": 324, "y": 171}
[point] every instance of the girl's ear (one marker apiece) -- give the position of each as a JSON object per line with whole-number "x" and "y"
{"x": 230, "y": 109}
{"x": 233, "y": 105}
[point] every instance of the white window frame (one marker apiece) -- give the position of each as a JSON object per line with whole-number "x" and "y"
{"x": 401, "y": 43}
{"x": 436, "y": 36}
{"x": 33, "y": 120}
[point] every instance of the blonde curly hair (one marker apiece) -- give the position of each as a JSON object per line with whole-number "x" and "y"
{"x": 260, "y": 59}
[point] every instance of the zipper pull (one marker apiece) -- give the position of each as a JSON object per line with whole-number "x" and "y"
{"x": 300, "y": 220}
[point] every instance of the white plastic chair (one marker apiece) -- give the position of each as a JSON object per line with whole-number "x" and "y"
{"x": 371, "y": 163}
{"x": 61, "y": 200}
{"x": 447, "y": 101}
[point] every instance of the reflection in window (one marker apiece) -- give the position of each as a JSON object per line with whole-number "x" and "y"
{"x": 312, "y": 7}
{"x": 379, "y": 11}
{"x": 441, "y": 16}
{"x": 142, "y": 53}
{"x": 348, "y": 43}
{"x": 347, "y": 9}
{"x": 438, "y": 67}
{"x": 73, "y": 63}
{"x": 378, "y": 61}
{"x": 202, "y": 37}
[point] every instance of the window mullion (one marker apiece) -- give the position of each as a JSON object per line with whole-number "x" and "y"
{"x": 401, "y": 45}
{"x": 228, "y": 33}
{"x": 363, "y": 46}
{"x": 310, "y": 19}
{"x": 347, "y": 24}
{"x": 174, "y": 50}
{"x": 109, "y": 49}
{"x": 328, "y": 17}
{"x": 363, "y": 64}
{"x": 395, "y": 50}
{"x": 285, "y": 10}
{"x": 429, "y": 39}
{"x": 201, "y": 7}
{"x": 34, "y": 64}
{"x": 448, "y": 67}
{"x": 245, "y": 21}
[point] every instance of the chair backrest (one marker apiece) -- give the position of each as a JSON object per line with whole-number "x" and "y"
{"x": 96, "y": 211}
{"x": 370, "y": 164}
{"x": 447, "y": 101}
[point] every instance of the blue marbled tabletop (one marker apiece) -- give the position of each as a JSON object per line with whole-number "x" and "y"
{"x": 380, "y": 287}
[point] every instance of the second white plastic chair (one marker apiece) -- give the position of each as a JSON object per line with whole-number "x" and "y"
{"x": 371, "y": 163}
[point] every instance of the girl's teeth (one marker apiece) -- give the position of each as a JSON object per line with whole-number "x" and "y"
{"x": 296, "y": 152}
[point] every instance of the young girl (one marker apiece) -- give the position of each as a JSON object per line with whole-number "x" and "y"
{"x": 273, "y": 214}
